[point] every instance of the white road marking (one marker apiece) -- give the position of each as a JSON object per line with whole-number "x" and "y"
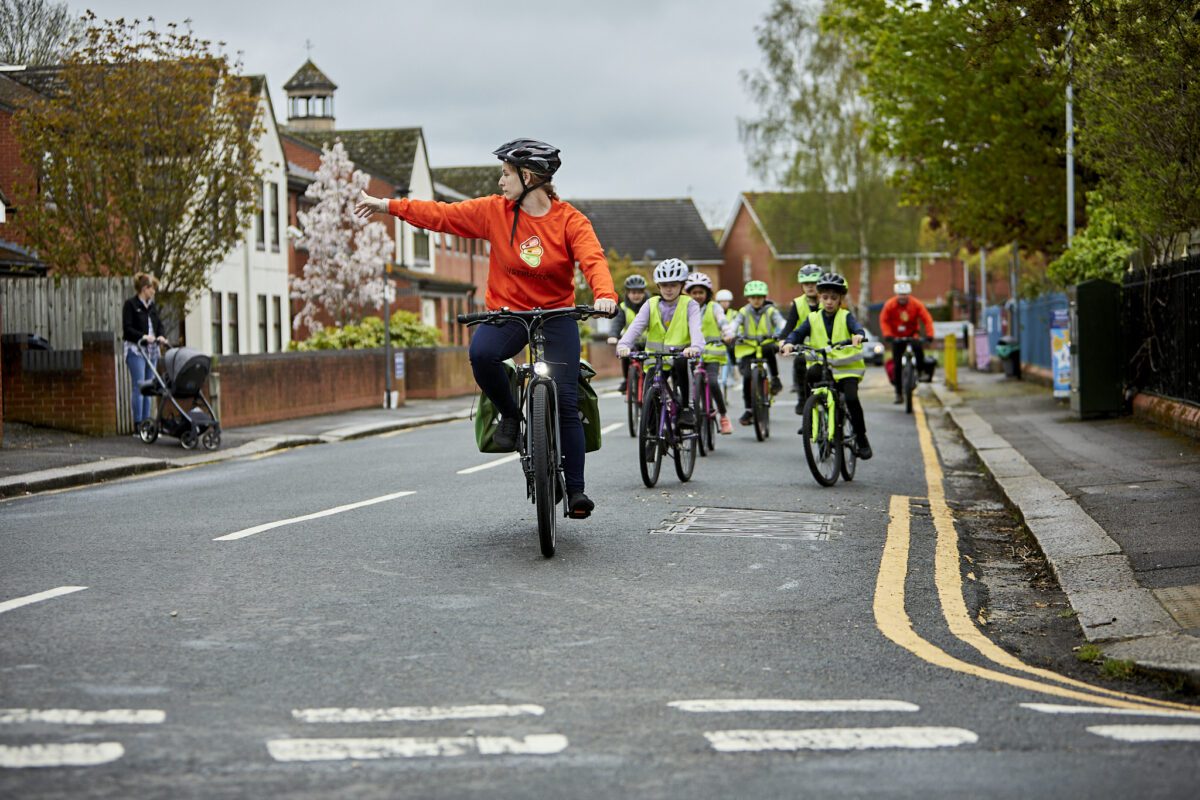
{"x": 749, "y": 741}
{"x": 242, "y": 534}
{"x": 1050, "y": 708}
{"x": 493, "y": 463}
{"x": 611, "y": 428}
{"x": 611, "y": 393}
{"x": 347, "y": 749}
{"x": 17, "y": 602}
{"x": 60, "y": 755}
{"x": 413, "y": 713}
{"x": 816, "y": 706}
{"x": 1148, "y": 733}
{"x": 73, "y": 716}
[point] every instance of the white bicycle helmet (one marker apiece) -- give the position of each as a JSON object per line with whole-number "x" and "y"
{"x": 903, "y": 287}
{"x": 671, "y": 271}
{"x": 697, "y": 279}
{"x": 724, "y": 294}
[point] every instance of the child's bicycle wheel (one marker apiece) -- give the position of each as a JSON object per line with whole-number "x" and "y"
{"x": 687, "y": 441}
{"x": 849, "y": 448}
{"x": 650, "y": 444}
{"x": 633, "y": 399}
{"x": 822, "y": 442}
{"x": 760, "y": 390}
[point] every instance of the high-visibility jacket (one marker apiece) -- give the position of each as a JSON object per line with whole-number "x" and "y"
{"x": 803, "y": 308}
{"x": 678, "y": 334}
{"x": 629, "y": 315}
{"x": 848, "y": 361}
{"x": 763, "y": 326}
{"x": 714, "y": 353}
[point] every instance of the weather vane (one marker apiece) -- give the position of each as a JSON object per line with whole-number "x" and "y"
{"x": 308, "y": 46}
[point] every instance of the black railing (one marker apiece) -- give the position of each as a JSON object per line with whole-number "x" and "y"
{"x": 1160, "y": 323}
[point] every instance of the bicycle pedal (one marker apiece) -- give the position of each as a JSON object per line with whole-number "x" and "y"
{"x": 579, "y": 514}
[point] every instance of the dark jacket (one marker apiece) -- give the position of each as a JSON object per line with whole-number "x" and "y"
{"x": 135, "y": 319}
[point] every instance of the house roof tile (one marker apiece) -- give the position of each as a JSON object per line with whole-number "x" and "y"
{"x": 672, "y": 228}
{"x": 309, "y": 77}
{"x": 470, "y": 181}
{"x": 386, "y": 153}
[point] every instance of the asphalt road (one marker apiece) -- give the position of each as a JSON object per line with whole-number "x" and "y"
{"x": 420, "y": 646}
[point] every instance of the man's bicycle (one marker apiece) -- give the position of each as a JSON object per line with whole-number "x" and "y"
{"x": 659, "y": 430}
{"x": 829, "y": 443}
{"x": 539, "y": 442}
{"x": 909, "y": 373}
{"x": 760, "y": 386}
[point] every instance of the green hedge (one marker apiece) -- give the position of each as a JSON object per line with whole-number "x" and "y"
{"x": 406, "y": 328}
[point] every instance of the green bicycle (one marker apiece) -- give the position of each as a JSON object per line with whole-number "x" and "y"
{"x": 829, "y": 442}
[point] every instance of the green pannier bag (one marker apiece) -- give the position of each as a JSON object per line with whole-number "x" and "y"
{"x": 487, "y": 416}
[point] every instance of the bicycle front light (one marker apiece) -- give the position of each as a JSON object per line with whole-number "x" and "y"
{"x": 541, "y": 368}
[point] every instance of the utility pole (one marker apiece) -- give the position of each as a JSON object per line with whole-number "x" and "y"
{"x": 1070, "y": 145}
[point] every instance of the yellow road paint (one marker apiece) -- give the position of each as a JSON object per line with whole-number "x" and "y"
{"x": 949, "y": 581}
{"x": 893, "y": 621}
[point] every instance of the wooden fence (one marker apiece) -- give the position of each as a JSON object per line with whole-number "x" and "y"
{"x": 62, "y": 310}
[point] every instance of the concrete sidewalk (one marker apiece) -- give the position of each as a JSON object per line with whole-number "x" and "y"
{"x": 1114, "y": 505}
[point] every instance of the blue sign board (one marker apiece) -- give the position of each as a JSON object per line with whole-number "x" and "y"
{"x": 1060, "y": 351}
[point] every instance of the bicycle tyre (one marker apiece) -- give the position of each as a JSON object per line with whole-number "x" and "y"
{"x": 650, "y": 445}
{"x": 823, "y": 455}
{"x": 541, "y": 430}
{"x": 633, "y": 400}
{"x": 908, "y": 379}
{"x": 849, "y": 446}
{"x": 685, "y": 453}
{"x": 699, "y": 411}
{"x": 759, "y": 394}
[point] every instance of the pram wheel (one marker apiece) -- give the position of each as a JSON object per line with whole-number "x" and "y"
{"x": 148, "y": 431}
{"x": 189, "y": 439}
{"x": 211, "y": 439}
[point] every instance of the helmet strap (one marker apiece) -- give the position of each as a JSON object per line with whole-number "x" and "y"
{"x": 526, "y": 188}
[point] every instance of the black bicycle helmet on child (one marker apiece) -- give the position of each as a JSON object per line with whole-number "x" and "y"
{"x": 635, "y": 282}
{"x": 832, "y": 282}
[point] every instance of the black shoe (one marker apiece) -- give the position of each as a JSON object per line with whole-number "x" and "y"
{"x": 864, "y": 448}
{"x": 776, "y": 386}
{"x": 622, "y": 387}
{"x": 506, "y": 434}
{"x": 746, "y": 418}
{"x": 687, "y": 418}
{"x": 580, "y": 505}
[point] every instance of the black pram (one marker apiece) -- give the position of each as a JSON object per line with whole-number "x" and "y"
{"x": 184, "y": 372}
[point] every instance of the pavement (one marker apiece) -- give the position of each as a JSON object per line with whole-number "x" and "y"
{"x": 1113, "y": 504}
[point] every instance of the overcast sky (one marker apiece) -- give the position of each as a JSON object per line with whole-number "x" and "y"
{"x": 642, "y": 96}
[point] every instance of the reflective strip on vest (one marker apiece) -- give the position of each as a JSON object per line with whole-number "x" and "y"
{"x": 847, "y": 362}
{"x": 714, "y": 353}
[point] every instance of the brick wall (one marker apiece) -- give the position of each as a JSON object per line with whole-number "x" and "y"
{"x": 83, "y": 399}
{"x": 437, "y": 372}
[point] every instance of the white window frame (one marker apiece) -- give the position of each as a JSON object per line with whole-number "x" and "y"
{"x": 901, "y": 271}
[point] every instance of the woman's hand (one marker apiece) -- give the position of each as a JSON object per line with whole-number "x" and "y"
{"x": 163, "y": 341}
{"x": 605, "y": 306}
{"x": 367, "y": 205}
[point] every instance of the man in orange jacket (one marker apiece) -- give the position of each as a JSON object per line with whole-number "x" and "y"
{"x": 902, "y": 316}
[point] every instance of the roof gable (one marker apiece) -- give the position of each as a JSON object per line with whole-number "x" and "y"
{"x": 671, "y": 228}
{"x": 309, "y": 77}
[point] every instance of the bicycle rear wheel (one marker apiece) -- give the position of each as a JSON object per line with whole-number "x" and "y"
{"x": 908, "y": 379}
{"x": 849, "y": 446}
{"x": 760, "y": 399}
{"x": 822, "y": 447}
{"x": 544, "y": 458}
{"x": 699, "y": 410}
{"x": 633, "y": 399}
{"x": 650, "y": 444}
{"x": 687, "y": 442}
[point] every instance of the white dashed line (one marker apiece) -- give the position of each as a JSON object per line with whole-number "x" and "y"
{"x": 1148, "y": 733}
{"x": 414, "y": 713}
{"x": 1050, "y": 708}
{"x": 9, "y": 605}
{"x": 813, "y": 706}
{"x": 750, "y": 741}
{"x": 242, "y": 534}
{"x": 611, "y": 428}
{"x": 493, "y": 463}
{"x": 358, "y": 749}
{"x": 73, "y": 716}
{"x": 60, "y": 755}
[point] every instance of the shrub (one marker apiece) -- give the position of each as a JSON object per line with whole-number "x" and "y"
{"x": 407, "y": 330}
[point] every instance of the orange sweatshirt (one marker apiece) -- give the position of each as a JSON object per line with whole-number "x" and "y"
{"x": 538, "y": 268}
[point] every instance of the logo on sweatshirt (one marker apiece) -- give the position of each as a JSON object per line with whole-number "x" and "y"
{"x": 531, "y": 251}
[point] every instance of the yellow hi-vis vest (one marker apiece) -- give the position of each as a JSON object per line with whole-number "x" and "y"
{"x": 848, "y": 361}
{"x": 629, "y": 315}
{"x": 753, "y": 328}
{"x": 803, "y": 309}
{"x": 658, "y": 335}
{"x": 714, "y": 353}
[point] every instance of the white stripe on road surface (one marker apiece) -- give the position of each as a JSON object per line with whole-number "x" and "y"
{"x": 611, "y": 428}
{"x": 9, "y": 605}
{"x": 347, "y": 749}
{"x": 60, "y": 755}
{"x": 413, "y": 713}
{"x": 1148, "y": 733}
{"x": 74, "y": 716}
{"x": 494, "y": 463}
{"x": 750, "y": 741}
{"x": 816, "y": 706}
{"x": 328, "y": 512}
{"x": 1051, "y": 708}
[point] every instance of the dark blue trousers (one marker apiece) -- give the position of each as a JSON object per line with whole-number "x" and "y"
{"x": 492, "y": 344}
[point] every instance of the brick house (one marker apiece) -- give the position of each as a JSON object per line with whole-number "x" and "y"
{"x": 14, "y": 256}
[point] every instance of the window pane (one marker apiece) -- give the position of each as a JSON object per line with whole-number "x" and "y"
{"x": 274, "y": 210}
{"x": 278, "y": 324}
{"x": 216, "y": 323}
{"x": 233, "y": 323}
{"x": 262, "y": 323}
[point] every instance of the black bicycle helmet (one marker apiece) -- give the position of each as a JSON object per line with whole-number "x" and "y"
{"x": 832, "y": 282}
{"x": 538, "y": 157}
{"x": 635, "y": 282}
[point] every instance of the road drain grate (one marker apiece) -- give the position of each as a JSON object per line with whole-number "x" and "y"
{"x": 1183, "y": 602}
{"x": 753, "y": 524}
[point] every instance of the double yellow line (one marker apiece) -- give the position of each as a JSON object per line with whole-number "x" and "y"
{"x": 893, "y": 621}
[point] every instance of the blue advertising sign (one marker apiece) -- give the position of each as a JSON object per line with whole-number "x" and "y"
{"x": 1060, "y": 351}
{"x": 399, "y": 356}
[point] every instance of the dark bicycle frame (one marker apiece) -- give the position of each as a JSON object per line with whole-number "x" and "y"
{"x": 669, "y": 412}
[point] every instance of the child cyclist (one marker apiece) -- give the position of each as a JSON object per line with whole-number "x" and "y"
{"x": 713, "y": 324}
{"x": 724, "y": 299}
{"x": 672, "y": 319}
{"x": 801, "y": 307}
{"x": 836, "y": 324}
{"x": 757, "y": 318}
{"x": 635, "y": 298}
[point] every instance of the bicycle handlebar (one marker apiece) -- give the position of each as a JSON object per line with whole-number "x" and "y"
{"x": 579, "y": 312}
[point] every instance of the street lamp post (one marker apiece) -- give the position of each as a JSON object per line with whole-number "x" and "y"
{"x": 1070, "y": 146}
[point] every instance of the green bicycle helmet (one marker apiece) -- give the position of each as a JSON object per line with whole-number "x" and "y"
{"x": 755, "y": 289}
{"x": 809, "y": 273}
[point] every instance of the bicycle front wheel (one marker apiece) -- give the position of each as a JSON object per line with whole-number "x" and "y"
{"x": 908, "y": 379}
{"x": 687, "y": 441}
{"x": 544, "y": 458}
{"x": 650, "y": 444}
{"x": 699, "y": 410}
{"x": 760, "y": 399}
{"x": 822, "y": 448}
{"x": 633, "y": 400}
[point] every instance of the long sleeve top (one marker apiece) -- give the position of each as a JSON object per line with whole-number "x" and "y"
{"x": 536, "y": 268}
{"x": 667, "y": 310}
{"x": 905, "y": 320}
{"x": 804, "y": 329}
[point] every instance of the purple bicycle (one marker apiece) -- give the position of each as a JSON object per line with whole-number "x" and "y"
{"x": 659, "y": 429}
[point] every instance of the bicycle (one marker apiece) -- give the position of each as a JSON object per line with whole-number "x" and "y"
{"x": 760, "y": 387}
{"x": 634, "y": 386}
{"x": 659, "y": 429}
{"x": 908, "y": 370}
{"x": 830, "y": 446}
{"x": 703, "y": 405}
{"x": 538, "y": 441}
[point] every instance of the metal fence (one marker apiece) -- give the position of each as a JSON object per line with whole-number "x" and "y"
{"x": 1160, "y": 323}
{"x": 62, "y": 310}
{"x": 1034, "y": 319}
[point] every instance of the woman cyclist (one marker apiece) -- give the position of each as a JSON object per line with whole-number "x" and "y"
{"x": 713, "y": 324}
{"x": 536, "y": 240}
{"x": 836, "y": 324}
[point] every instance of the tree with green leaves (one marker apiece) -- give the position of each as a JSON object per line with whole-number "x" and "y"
{"x": 145, "y": 152}
{"x": 35, "y": 33}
